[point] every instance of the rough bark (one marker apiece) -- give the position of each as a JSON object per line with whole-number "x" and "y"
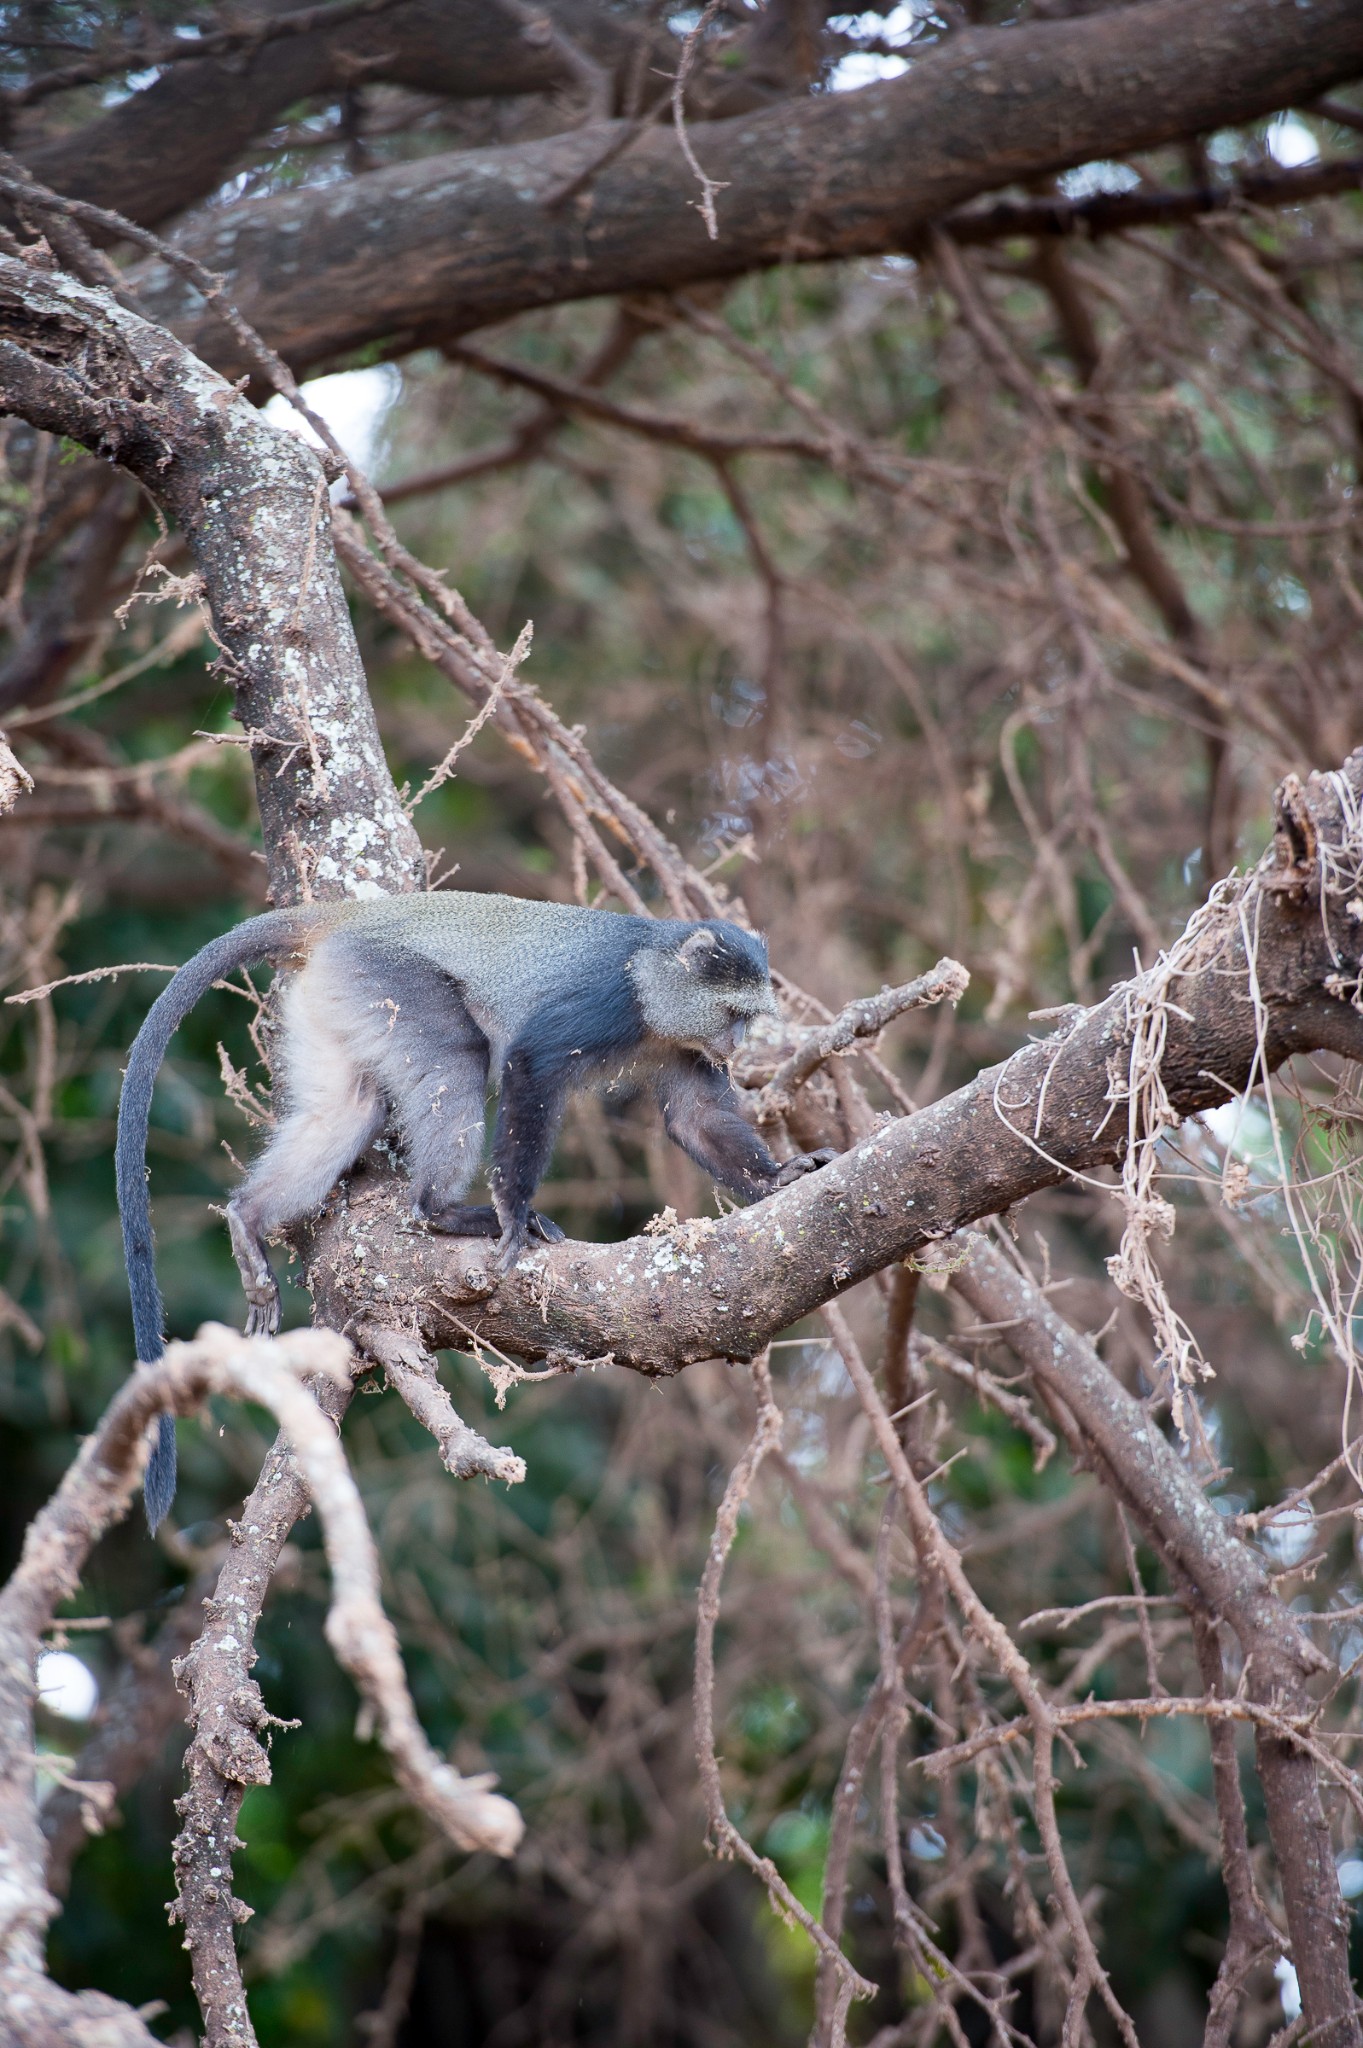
{"x": 252, "y": 502}
{"x": 14, "y": 778}
{"x": 440, "y": 246}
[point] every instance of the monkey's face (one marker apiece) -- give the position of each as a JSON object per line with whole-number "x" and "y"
{"x": 705, "y": 994}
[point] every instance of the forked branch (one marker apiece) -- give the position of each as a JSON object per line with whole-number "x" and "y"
{"x": 96, "y": 1493}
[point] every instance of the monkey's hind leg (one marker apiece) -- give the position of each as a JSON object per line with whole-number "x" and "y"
{"x": 433, "y": 1064}
{"x": 333, "y": 1109}
{"x": 257, "y": 1274}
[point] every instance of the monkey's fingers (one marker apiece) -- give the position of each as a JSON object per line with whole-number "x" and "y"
{"x": 803, "y": 1163}
{"x": 543, "y": 1226}
{"x": 257, "y": 1274}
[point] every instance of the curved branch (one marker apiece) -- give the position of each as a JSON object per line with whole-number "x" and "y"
{"x": 159, "y": 150}
{"x": 724, "y": 1288}
{"x": 95, "y": 1494}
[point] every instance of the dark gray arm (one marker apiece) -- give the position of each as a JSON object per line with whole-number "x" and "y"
{"x": 701, "y": 1114}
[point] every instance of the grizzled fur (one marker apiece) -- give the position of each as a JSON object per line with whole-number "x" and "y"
{"x": 409, "y": 1006}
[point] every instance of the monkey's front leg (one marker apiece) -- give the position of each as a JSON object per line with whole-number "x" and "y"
{"x": 257, "y": 1275}
{"x": 529, "y": 1111}
{"x": 701, "y": 1113}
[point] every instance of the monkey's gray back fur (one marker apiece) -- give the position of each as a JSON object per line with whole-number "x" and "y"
{"x": 508, "y": 954}
{"x": 410, "y": 1004}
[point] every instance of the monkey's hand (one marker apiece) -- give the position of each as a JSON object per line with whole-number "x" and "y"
{"x": 516, "y": 1236}
{"x": 803, "y": 1163}
{"x": 262, "y": 1317}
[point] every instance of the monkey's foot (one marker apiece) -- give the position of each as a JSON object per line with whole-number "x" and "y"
{"x": 803, "y": 1163}
{"x": 257, "y": 1275}
{"x": 513, "y": 1241}
{"x": 262, "y": 1317}
{"x": 480, "y": 1219}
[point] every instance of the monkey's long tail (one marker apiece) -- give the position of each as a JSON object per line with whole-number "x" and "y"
{"x": 258, "y": 939}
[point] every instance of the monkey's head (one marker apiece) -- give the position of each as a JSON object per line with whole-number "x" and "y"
{"x": 704, "y": 992}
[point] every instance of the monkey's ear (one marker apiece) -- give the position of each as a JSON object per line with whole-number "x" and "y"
{"x": 697, "y": 947}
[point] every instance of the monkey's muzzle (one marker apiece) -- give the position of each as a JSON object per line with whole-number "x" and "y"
{"x": 726, "y": 1042}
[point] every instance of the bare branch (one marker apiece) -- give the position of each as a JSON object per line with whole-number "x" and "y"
{"x": 865, "y": 1018}
{"x": 75, "y": 362}
{"x": 94, "y": 1494}
{"x": 1042, "y": 1719}
{"x": 1113, "y": 213}
{"x": 709, "y": 187}
{"x": 409, "y": 1368}
{"x": 1144, "y": 1470}
{"x": 724, "y": 1838}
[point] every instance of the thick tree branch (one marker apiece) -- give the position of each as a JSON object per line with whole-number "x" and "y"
{"x": 1057, "y": 1107}
{"x": 438, "y": 247}
{"x": 239, "y": 39}
{"x": 163, "y": 148}
{"x": 253, "y": 504}
{"x": 158, "y": 151}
